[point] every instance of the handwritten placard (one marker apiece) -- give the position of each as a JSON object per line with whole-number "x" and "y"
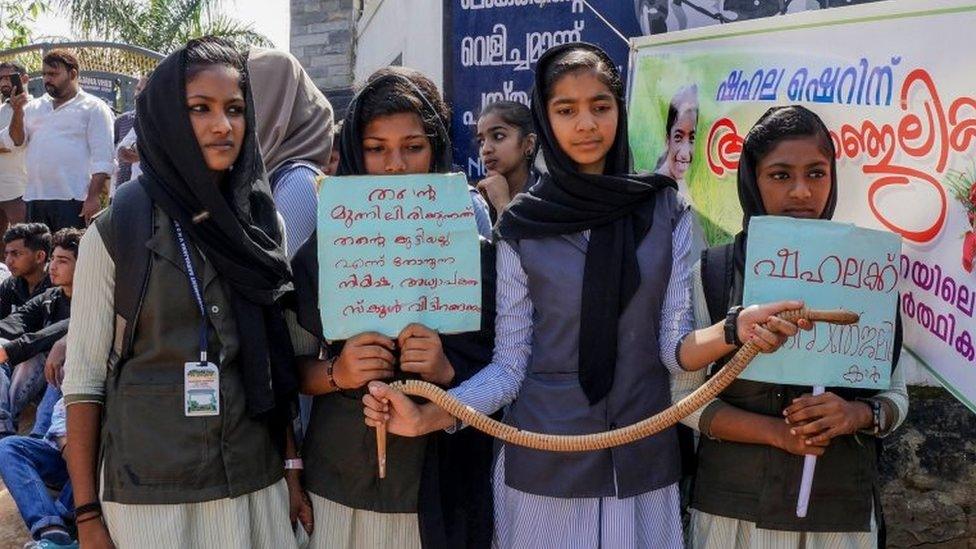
{"x": 395, "y": 250}
{"x": 829, "y": 266}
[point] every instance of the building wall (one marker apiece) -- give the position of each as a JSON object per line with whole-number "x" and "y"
{"x": 401, "y": 32}
{"x": 323, "y": 39}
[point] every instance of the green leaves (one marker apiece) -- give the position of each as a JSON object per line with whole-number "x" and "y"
{"x": 159, "y": 25}
{"x": 16, "y": 17}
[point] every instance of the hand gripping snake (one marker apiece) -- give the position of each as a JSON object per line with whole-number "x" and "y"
{"x": 607, "y": 439}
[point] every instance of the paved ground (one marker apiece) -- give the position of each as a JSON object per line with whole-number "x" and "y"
{"x": 13, "y": 534}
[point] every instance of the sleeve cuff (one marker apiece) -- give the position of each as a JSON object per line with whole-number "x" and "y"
{"x": 8, "y": 142}
{"x": 13, "y": 350}
{"x": 707, "y": 415}
{"x": 83, "y": 399}
{"x": 107, "y": 168}
{"x": 893, "y": 416}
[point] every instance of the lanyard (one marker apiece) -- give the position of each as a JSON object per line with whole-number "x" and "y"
{"x": 195, "y": 286}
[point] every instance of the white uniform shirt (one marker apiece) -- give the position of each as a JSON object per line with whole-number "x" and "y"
{"x": 13, "y": 171}
{"x": 65, "y": 146}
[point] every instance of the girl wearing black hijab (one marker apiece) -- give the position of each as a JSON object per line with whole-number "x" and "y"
{"x": 787, "y": 168}
{"x": 437, "y": 491}
{"x": 178, "y": 417}
{"x": 593, "y": 303}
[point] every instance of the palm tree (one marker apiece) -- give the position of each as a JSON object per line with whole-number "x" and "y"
{"x": 159, "y": 25}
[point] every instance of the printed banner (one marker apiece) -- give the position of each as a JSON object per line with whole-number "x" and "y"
{"x": 828, "y": 265}
{"x": 394, "y": 250}
{"x": 902, "y": 115}
{"x": 493, "y": 45}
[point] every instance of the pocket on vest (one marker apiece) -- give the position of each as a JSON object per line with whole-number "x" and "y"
{"x": 159, "y": 444}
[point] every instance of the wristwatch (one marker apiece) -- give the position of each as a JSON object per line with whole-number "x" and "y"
{"x": 732, "y": 326}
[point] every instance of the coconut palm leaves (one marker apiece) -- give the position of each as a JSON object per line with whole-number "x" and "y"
{"x": 159, "y": 25}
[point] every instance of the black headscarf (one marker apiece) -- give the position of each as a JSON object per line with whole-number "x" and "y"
{"x": 352, "y": 162}
{"x": 231, "y": 217}
{"x": 566, "y": 201}
{"x": 777, "y": 124}
{"x": 760, "y": 138}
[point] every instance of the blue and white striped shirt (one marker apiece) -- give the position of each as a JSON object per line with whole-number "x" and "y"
{"x": 498, "y": 383}
{"x": 297, "y": 202}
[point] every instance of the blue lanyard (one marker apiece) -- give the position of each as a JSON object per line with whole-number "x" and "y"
{"x": 195, "y": 286}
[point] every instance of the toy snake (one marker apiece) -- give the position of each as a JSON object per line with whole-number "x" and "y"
{"x": 607, "y": 439}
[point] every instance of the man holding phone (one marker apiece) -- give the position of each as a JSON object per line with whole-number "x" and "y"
{"x": 67, "y": 134}
{"x": 13, "y": 171}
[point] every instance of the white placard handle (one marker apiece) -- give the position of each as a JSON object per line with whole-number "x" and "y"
{"x": 806, "y": 483}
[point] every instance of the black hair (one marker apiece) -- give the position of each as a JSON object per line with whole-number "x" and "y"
{"x": 36, "y": 237}
{"x": 675, "y": 104}
{"x": 783, "y": 123}
{"x": 412, "y": 92}
{"x": 513, "y": 113}
{"x": 579, "y": 60}
{"x": 62, "y": 57}
{"x": 68, "y": 239}
{"x": 17, "y": 67}
{"x": 207, "y": 51}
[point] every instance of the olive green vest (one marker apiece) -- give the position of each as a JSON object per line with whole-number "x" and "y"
{"x": 151, "y": 452}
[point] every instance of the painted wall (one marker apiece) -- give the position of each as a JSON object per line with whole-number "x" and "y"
{"x": 400, "y": 32}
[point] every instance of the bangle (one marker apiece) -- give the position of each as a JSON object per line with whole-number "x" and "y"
{"x": 86, "y": 519}
{"x": 294, "y": 464}
{"x": 330, "y": 371}
{"x": 88, "y": 508}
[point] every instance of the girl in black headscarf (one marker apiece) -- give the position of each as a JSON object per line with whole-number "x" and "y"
{"x": 437, "y": 489}
{"x": 193, "y": 408}
{"x": 592, "y": 307}
{"x": 787, "y": 168}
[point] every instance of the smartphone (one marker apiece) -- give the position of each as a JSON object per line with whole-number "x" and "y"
{"x": 16, "y": 83}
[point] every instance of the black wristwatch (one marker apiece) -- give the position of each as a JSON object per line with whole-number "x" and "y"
{"x": 732, "y": 326}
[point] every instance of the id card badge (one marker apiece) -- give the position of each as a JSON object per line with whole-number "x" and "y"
{"x": 201, "y": 389}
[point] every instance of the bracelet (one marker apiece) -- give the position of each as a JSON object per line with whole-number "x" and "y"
{"x": 86, "y": 519}
{"x": 294, "y": 464}
{"x": 330, "y": 371}
{"x": 88, "y": 508}
{"x": 875, "y": 406}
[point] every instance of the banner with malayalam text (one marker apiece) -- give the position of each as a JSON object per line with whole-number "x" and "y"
{"x": 902, "y": 113}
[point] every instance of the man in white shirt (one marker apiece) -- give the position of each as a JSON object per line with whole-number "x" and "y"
{"x": 68, "y": 137}
{"x": 13, "y": 172}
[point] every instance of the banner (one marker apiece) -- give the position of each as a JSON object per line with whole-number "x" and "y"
{"x": 394, "y": 250}
{"x": 491, "y": 46}
{"x": 902, "y": 115}
{"x": 828, "y": 265}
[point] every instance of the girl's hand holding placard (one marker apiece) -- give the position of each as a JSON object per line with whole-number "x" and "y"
{"x": 364, "y": 357}
{"x": 421, "y": 352}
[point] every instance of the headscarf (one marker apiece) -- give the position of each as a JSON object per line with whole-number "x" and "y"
{"x": 763, "y": 136}
{"x": 749, "y": 196}
{"x": 352, "y": 162}
{"x": 294, "y": 119}
{"x": 231, "y": 217}
{"x": 567, "y": 201}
